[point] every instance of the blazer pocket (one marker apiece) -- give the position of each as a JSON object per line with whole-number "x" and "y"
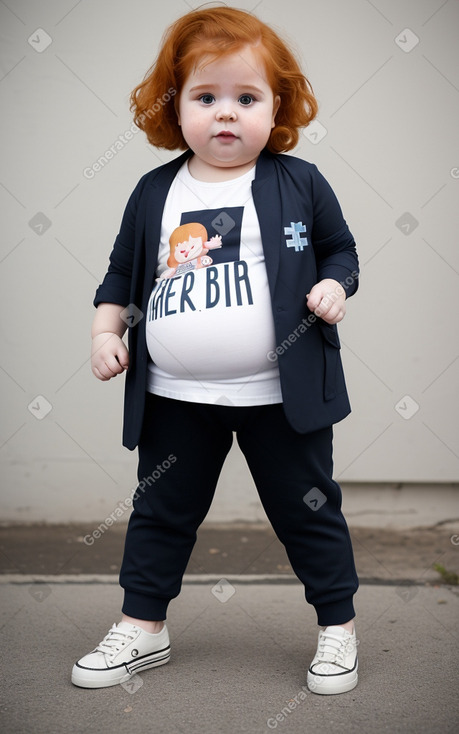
{"x": 332, "y": 360}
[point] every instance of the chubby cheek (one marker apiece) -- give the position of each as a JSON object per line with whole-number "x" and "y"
{"x": 193, "y": 125}
{"x": 257, "y": 134}
{"x": 194, "y": 134}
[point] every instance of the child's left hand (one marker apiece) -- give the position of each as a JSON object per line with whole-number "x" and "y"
{"x": 214, "y": 243}
{"x": 327, "y": 300}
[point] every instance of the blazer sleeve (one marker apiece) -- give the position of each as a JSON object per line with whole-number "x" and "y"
{"x": 116, "y": 286}
{"x": 333, "y": 243}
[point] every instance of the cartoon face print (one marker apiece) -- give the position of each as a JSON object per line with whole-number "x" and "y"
{"x": 189, "y": 247}
{"x": 188, "y": 250}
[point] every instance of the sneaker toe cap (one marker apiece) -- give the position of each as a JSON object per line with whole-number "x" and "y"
{"x": 326, "y": 669}
{"x": 94, "y": 660}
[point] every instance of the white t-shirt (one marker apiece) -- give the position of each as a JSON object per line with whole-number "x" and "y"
{"x": 209, "y": 324}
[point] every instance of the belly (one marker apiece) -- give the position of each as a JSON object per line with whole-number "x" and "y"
{"x": 212, "y": 323}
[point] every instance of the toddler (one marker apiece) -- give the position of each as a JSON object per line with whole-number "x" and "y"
{"x": 232, "y": 268}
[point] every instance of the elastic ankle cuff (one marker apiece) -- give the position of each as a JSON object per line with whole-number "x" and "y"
{"x": 336, "y": 613}
{"x": 140, "y": 606}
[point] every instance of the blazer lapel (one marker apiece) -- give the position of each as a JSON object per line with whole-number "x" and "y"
{"x": 267, "y": 200}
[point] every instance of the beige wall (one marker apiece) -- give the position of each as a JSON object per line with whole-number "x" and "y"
{"x": 389, "y": 109}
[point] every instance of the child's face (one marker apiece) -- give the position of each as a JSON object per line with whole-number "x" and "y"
{"x": 188, "y": 250}
{"x": 226, "y": 111}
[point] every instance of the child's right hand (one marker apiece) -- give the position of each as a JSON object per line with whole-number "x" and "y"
{"x": 109, "y": 356}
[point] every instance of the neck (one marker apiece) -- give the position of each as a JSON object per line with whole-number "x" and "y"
{"x": 203, "y": 171}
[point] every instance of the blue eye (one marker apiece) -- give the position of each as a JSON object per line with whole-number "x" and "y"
{"x": 207, "y": 98}
{"x": 246, "y": 99}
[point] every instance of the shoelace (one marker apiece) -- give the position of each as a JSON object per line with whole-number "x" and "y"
{"x": 333, "y": 649}
{"x": 114, "y": 641}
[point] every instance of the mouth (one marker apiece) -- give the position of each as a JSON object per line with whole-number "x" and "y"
{"x": 226, "y": 135}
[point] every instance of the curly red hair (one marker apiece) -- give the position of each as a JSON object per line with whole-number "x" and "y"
{"x": 216, "y": 32}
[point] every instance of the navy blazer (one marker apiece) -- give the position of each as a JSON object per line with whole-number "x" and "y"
{"x": 305, "y": 239}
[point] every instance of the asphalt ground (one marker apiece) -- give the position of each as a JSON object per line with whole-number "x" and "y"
{"x": 239, "y": 658}
{"x": 382, "y": 555}
{"x": 238, "y": 664}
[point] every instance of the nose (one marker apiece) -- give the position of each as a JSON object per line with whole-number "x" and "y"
{"x": 226, "y": 113}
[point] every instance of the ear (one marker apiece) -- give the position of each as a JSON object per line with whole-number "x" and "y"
{"x": 276, "y": 105}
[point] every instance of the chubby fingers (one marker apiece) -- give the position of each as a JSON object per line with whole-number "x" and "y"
{"x": 332, "y": 314}
{"x": 327, "y": 300}
{"x": 107, "y": 367}
{"x": 109, "y": 356}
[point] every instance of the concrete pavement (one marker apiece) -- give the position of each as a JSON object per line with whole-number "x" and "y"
{"x": 237, "y": 665}
{"x": 239, "y": 658}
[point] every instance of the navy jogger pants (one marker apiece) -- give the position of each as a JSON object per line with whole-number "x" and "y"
{"x": 181, "y": 453}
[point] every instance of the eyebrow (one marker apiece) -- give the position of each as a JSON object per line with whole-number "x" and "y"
{"x": 244, "y": 87}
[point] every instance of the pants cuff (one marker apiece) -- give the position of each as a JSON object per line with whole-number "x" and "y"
{"x": 336, "y": 613}
{"x": 140, "y": 606}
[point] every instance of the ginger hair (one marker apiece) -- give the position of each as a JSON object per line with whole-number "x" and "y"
{"x": 213, "y": 33}
{"x": 184, "y": 231}
{"x": 182, "y": 234}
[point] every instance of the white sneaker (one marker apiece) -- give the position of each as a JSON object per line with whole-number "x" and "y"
{"x": 127, "y": 649}
{"x": 334, "y": 668}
